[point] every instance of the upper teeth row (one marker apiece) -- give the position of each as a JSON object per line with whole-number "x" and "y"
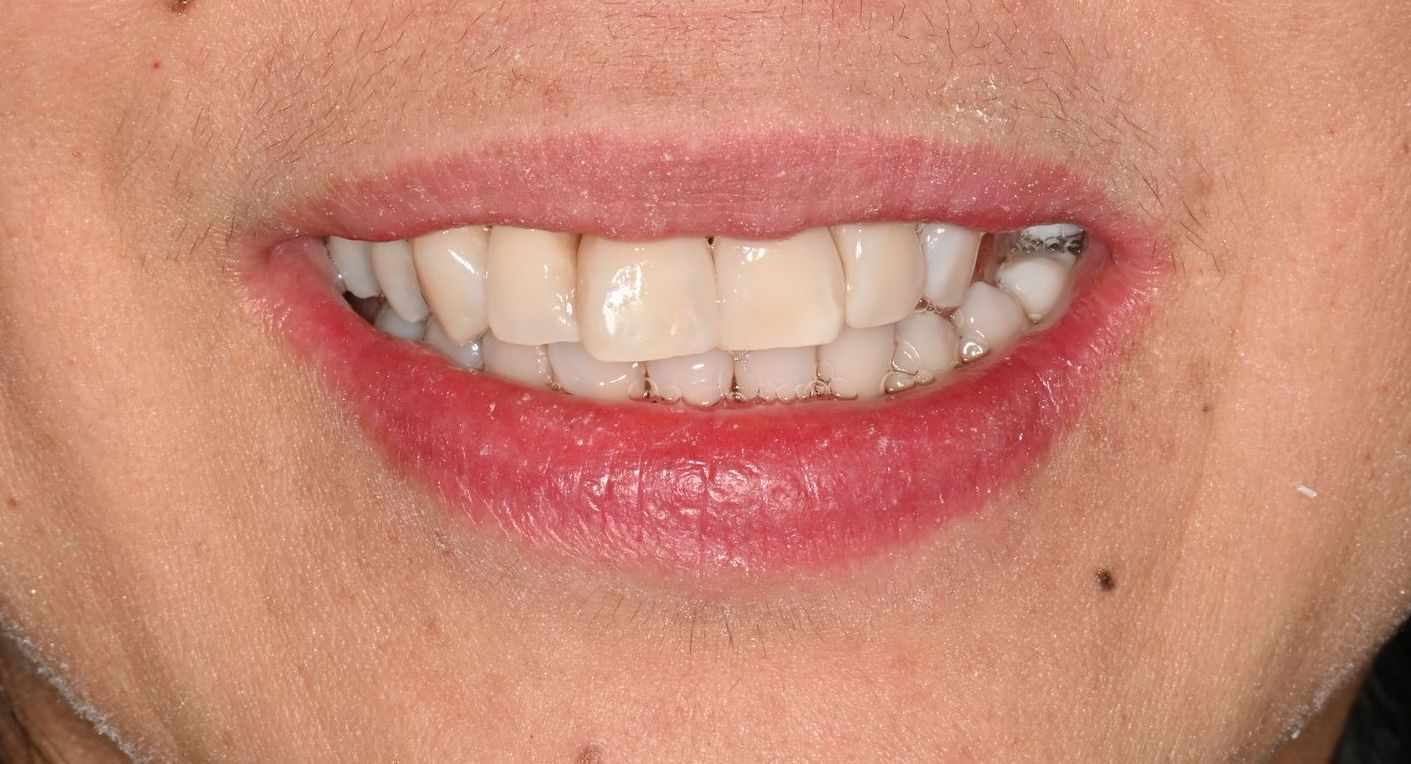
{"x": 606, "y": 307}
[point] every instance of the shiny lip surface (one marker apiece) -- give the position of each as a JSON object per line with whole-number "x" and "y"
{"x": 700, "y": 492}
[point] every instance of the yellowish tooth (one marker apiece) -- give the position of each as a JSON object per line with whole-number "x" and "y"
{"x": 927, "y": 347}
{"x": 950, "y": 262}
{"x": 857, "y": 364}
{"x": 1037, "y": 282}
{"x": 779, "y": 294}
{"x": 466, "y": 356}
{"x": 451, "y": 267}
{"x": 700, "y": 380}
{"x": 987, "y": 320}
{"x": 581, "y": 374}
{"x": 780, "y": 374}
{"x": 645, "y": 301}
{"x": 525, "y": 364}
{"x": 392, "y": 262}
{"x": 885, "y": 271}
{"x": 353, "y": 261}
{"x": 530, "y": 291}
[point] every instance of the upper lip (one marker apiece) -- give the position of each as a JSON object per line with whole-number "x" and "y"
{"x": 809, "y": 484}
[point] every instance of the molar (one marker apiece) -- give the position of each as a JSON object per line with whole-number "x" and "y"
{"x": 451, "y": 267}
{"x": 392, "y": 263}
{"x": 885, "y": 271}
{"x": 1035, "y": 281}
{"x": 532, "y": 280}
{"x": 646, "y": 301}
{"x": 786, "y": 293}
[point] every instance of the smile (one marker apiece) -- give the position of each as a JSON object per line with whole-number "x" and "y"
{"x": 645, "y": 374}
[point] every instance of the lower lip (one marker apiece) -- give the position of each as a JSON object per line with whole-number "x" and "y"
{"x": 701, "y": 492}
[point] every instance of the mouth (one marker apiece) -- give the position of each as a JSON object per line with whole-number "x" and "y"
{"x": 758, "y": 354}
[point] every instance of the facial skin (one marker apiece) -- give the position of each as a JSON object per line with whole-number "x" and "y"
{"x": 198, "y": 539}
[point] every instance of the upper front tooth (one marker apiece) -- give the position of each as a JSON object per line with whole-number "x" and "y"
{"x": 950, "y": 262}
{"x": 856, "y": 365}
{"x": 781, "y": 374}
{"x": 779, "y": 294}
{"x": 353, "y": 259}
{"x": 885, "y": 271}
{"x": 986, "y": 320}
{"x": 701, "y": 379}
{"x": 646, "y": 301}
{"x": 579, "y": 373}
{"x": 1037, "y": 282}
{"x": 531, "y": 286}
{"x": 451, "y": 266}
{"x": 392, "y": 262}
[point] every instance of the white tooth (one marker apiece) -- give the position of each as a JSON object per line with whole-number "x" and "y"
{"x": 353, "y": 259}
{"x": 701, "y": 379}
{"x": 884, "y": 268}
{"x": 526, "y": 364}
{"x": 781, "y": 374}
{"x": 950, "y": 262}
{"x": 779, "y": 294}
{"x": 646, "y": 301}
{"x": 857, "y": 364}
{"x": 1037, "y": 282}
{"x": 451, "y": 266}
{"x": 390, "y": 323}
{"x": 531, "y": 285}
{"x": 392, "y": 262}
{"x": 1053, "y": 230}
{"x": 467, "y": 356}
{"x": 579, "y": 373}
{"x": 987, "y": 319}
{"x": 927, "y": 348}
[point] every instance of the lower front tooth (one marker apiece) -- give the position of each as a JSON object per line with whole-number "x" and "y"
{"x": 396, "y": 274}
{"x": 1035, "y": 281}
{"x": 856, "y": 365}
{"x": 780, "y": 374}
{"x": 579, "y": 373}
{"x": 701, "y": 379}
{"x": 927, "y": 347}
{"x": 389, "y": 322}
{"x": 466, "y": 356}
{"x": 988, "y": 319}
{"x": 526, "y": 364}
{"x": 353, "y": 259}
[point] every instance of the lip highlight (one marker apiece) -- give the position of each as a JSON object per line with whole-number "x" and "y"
{"x": 812, "y": 484}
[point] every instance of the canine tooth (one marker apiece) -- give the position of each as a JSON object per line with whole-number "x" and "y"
{"x": 950, "y": 262}
{"x": 786, "y": 293}
{"x": 986, "y": 320}
{"x": 530, "y": 291}
{"x": 885, "y": 271}
{"x": 353, "y": 260}
{"x": 579, "y": 373}
{"x": 646, "y": 301}
{"x": 1036, "y": 282}
{"x": 927, "y": 347}
{"x": 701, "y": 379}
{"x": 781, "y": 374}
{"x": 389, "y": 322}
{"x": 451, "y": 267}
{"x": 526, "y": 364}
{"x": 466, "y": 356}
{"x": 392, "y": 263}
{"x": 856, "y": 365}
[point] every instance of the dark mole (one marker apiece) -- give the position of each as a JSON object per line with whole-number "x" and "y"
{"x": 11, "y": 502}
{"x": 1105, "y": 581}
{"x": 156, "y": 64}
{"x": 180, "y": 6}
{"x": 1205, "y": 408}
{"x": 590, "y": 754}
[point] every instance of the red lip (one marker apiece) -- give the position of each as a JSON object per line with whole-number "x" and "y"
{"x": 701, "y": 492}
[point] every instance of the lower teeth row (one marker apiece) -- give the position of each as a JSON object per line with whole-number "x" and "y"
{"x": 1001, "y": 286}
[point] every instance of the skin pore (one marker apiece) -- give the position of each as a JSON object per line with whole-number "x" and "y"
{"x": 198, "y": 539}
